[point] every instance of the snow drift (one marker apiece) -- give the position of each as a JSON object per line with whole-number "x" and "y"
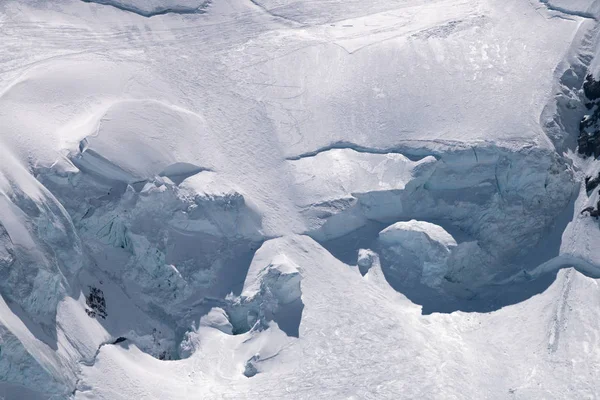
{"x": 264, "y": 198}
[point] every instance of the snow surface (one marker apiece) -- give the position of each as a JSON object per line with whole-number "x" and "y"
{"x": 296, "y": 199}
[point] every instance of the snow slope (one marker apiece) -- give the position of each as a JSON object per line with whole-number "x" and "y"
{"x": 294, "y": 199}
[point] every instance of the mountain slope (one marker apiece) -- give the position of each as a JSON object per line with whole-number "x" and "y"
{"x": 295, "y": 199}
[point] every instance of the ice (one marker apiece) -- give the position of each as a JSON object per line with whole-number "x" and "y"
{"x": 385, "y": 339}
{"x": 297, "y": 199}
{"x": 420, "y": 245}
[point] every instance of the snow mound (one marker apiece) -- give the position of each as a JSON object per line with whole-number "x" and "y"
{"x": 217, "y": 318}
{"x": 419, "y": 246}
{"x": 271, "y": 292}
{"x": 89, "y": 87}
{"x": 281, "y": 277}
{"x": 137, "y": 140}
{"x": 417, "y": 235}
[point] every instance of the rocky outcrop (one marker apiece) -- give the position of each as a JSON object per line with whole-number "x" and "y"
{"x": 589, "y": 128}
{"x": 96, "y": 303}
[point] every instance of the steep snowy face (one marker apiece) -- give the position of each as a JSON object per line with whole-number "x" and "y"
{"x": 41, "y": 252}
{"x": 254, "y": 190}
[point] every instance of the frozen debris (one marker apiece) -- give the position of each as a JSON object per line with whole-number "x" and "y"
{"x": 250, "y": 369}
{"x": 365, "y": 260}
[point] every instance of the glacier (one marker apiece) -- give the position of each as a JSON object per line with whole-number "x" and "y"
{"x": 387, "y": 199}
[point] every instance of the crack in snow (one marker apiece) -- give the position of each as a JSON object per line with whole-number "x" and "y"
{"x": 412, "y": 154}
{"x": 201, "y": 9}
{"x": 562, "y": 10}
{"x": 276, "y": 15}
{"x": 559, "y": 316}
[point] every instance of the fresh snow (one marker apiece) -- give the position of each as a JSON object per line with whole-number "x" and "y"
{"x": 297, "y": 199}
{"x": 406, "y": 232}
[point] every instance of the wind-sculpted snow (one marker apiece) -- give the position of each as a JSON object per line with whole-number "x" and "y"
{"x": 142, "y": 139}
{"x": 332, "y": 329}
{"x": 289, "y": 199}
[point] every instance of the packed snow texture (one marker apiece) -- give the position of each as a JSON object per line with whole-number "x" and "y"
{"x": 294, "y": 199}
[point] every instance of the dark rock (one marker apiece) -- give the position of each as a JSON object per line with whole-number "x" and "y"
{"x": 594, "y": 212}
{"x": 589, "y": 128}
{"x": 120, "y": 339}
{"x": 587, "y": 209}
{"x": 592, "y": 183}
{"x": 591, "y": 88}
{"x": 96, "y": 303}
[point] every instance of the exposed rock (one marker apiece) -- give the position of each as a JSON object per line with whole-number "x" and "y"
{"x": 591, "y": 88}
{"x": 589, "y": 127}
{"x": 594, "y": 212}
{"x": 592, "y": 183}
{"x": 96, "y": 303}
